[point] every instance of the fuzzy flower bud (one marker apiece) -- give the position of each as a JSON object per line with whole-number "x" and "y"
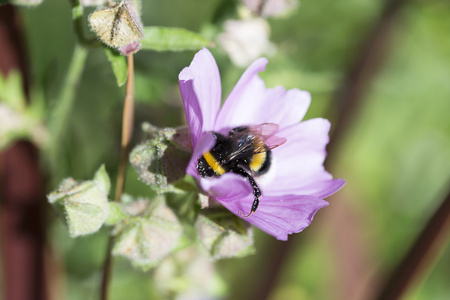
{"x": 119, "y": 26}
{"x": 162, "y": 159}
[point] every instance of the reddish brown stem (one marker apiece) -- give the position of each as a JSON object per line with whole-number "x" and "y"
{"x": 127, "y": 132}
{"x": 22, "y": 195}
{"x": 348, "y": 98}
{"x": 434, "y": 236}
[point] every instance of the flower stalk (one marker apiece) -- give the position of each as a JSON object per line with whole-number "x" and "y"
{"x": 127, "y": 132}
{"x": 127, "y": 128}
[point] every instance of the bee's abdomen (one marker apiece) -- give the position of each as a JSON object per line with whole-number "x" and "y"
{"x": 260, "y": 162}
{"x": 205, "y": 169}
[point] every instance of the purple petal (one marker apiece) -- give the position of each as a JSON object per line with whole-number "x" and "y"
{"x": 323, "y": 189}
{"x": 227, "y": 188}
{"x": 251, "y": 103}
{"x": 279, "y": 216}
{"x": 201, "y": 90}
{"x": 297, "y": 165}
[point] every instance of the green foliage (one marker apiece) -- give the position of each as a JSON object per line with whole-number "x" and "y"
{"x": 160, "y": 161}
{"x": 395, "y": 157}
{"x": 19, "y": 120}
{"x": 149, "y": 233}
{"x": 172, "y": 39}
{"x": 118, "y": 64}
{"x": 85, "y": 204}
{"x": 26, "y": 3}
{"x": 224, "y": 242}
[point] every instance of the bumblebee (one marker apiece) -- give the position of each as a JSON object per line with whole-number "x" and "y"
{"x": 245, "y": 151}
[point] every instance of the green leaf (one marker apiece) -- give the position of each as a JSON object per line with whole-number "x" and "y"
{"x": 172, "y": 39}
{"x": 101, "y": 178}
{"x": 25, "y": 3}
{"x": 224, "y": 241}
{"x": 85, "y": 204}
{"x": 11, "y": 90}
{"x": 18, "y": 120}
{"x": 83, "y": 218}
{"x": 151, "y": 232}
{"x": 118, "y": 64}
{"x": 115, "y": 214}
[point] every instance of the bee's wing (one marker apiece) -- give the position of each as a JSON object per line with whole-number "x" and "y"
{"x": 244, "y": 149}
{"x": 263, "y": 134}
{"x": 266, "y": 133}
{"x": 264, "y": 130}
{"x": 274, "y": 141}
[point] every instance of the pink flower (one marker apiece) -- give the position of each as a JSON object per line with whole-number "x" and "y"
{"x": 296, "y": 182}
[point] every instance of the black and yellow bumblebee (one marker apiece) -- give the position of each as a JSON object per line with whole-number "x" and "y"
{"x": 245, "y": 151}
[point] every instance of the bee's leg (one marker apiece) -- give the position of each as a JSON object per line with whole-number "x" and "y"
{"x": 256, "y": 190}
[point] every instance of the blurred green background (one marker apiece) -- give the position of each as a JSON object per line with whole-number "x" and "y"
{"x": 395, "y": 156}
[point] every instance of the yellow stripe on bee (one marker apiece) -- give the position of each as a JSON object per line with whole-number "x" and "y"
{"x": 213, "y": 163}
{"x": 257, "y": 162}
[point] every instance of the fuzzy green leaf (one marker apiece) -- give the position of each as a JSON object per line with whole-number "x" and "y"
{"x": 151, "y": 232}
{"x": 224, "y": 242}
{"x": 85, "y": 204}
{"x": 102, "y": 180}
{"x": 115, "y": 214}
{"x": 172, "y": 39}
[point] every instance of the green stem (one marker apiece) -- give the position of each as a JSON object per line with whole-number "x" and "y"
{"x": 64, "y": 102}
{"x": 77, "y": 17}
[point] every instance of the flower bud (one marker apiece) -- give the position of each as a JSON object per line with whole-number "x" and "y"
{"x": 119, "y": 26}
{"x": 162, "y": 159}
